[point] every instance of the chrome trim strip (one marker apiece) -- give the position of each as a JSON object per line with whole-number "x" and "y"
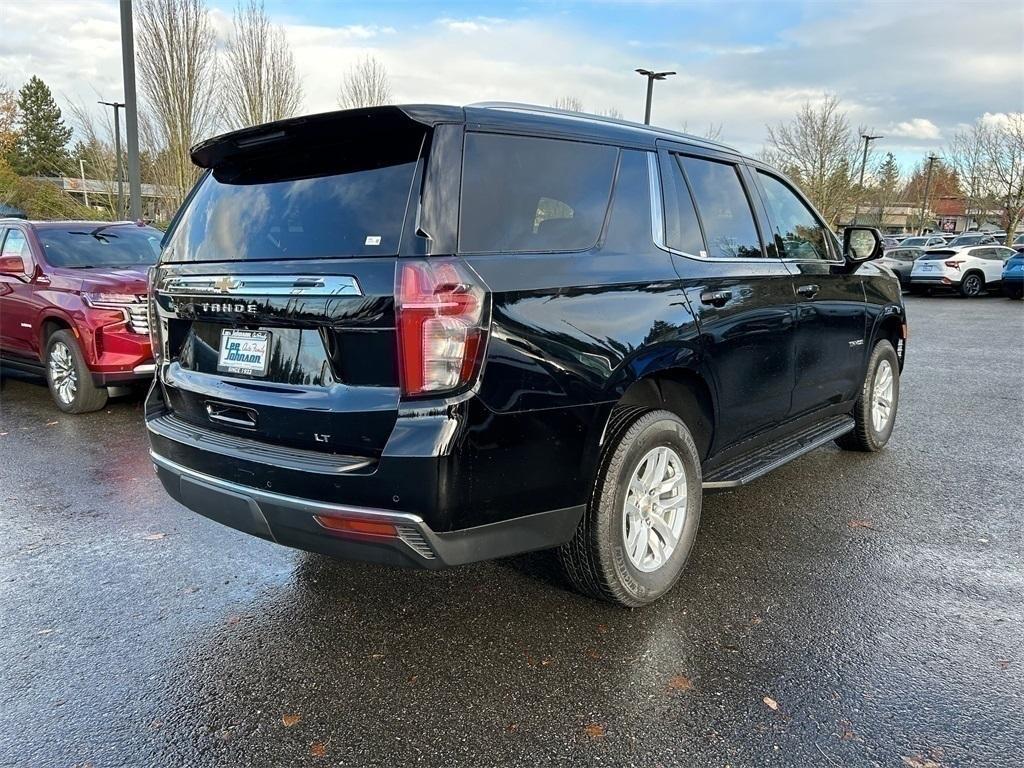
{"x": 145, "y": 368}
{"x": 657, "y": 201}
{"x": 309, "y": 506}
{"x": 305, "y": 286}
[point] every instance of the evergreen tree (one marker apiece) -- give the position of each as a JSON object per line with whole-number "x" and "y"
{"x": 41, "y": 147}
{"x": 889, "y": 174}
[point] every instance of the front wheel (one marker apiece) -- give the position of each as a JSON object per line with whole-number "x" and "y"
{"x": 640, "y": 525}
{"x": 874, "y": 413}
{"x": 971, "y": 286}
{"x": 69, "y": 378}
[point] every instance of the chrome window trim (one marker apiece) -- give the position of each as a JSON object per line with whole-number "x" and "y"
{"x": 658, "y": 221}
{"x": 305, "y": 286}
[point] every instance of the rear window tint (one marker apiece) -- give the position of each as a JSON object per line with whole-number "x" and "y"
{"x": 524, "y": 194}
{"x": 723, "y": 208}
{"x": 298, "y": 206}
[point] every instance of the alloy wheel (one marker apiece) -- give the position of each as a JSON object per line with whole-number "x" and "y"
{"x": 654, "y": 511}
{"x": 972, "y": 285}
{"x": 881, "y": 396}
{"x": 63, "y": 376}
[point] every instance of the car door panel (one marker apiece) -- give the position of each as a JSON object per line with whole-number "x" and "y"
{"x": 742, "y": 300}
{"x": 831, "y": 319}
{"x": 16, "y": 297}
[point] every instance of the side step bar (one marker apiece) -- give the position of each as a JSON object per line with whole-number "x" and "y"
{"x": 748, "y": 467}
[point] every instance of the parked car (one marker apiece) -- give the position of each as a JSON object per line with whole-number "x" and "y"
{"x": 1018, "y": 240}
{"x": 890, "y": 242}
{"x": 1013, "y": 274}
{"x": 901, "y": 262}
{"x": 382, "y": 354}
{"x": 968, "y": 270}
{"x": 972, "y": 238}
{"x": 73, "y": 305}
{"x": 924, "y": 241}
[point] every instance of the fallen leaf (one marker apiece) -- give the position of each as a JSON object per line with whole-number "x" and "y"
{"x": 289, "y": 720}
{"x": 412, "y": 680}
{"x": 318, "y": 749}
{"x": 602, "y": 628}
{"x": 756, "y": 620}
{"x": 154, "y": 537}
{"x": 45, "y": 631}
{"x": 190, "y": 590}
{"x": 1003, "y": 663}
{"x": 771, "y": 703}
{"x": 862, "y": 524}
{"x": 547, "y": 661}
{"x": 920, "y": 762}
{"x": 233, "y": 619}
{"x": 512, "y": 727}
{"x": 594, "y": 730}
{"x": 592, "y": 654}
{"x": 680, "y": 683}
{"x": 52, "y": 423}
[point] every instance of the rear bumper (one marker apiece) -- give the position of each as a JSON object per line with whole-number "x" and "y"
{"x": 292, "y": 521}
{"x": 140, "y": 372}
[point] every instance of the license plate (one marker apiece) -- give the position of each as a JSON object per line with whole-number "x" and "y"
{"x": 927, "y": 267}
{"x": 244, "y": 352}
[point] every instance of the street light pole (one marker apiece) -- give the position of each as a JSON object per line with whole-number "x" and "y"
{"x": 131, "y": 115}
{"x": 927, "y": 191}
{"x": 651, "y": 77}
{"x": 85, "y": 190}
{"x": 117, "y": 149}
{"x": 863, "y": 163}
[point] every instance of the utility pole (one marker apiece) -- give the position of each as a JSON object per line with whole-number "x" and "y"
{"x": 85, "y": 190}
{"x": 131, "y": 114}
{"x": 117, "y": 149}
{"x": 651, "y": 77}
{"x": 927, "y": 191}
{"x": 867, "y": 140}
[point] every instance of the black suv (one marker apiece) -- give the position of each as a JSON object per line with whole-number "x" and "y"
{"x": 429, "y": 335}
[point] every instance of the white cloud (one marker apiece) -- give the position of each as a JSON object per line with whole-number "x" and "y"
{"x": 916, "y": 128}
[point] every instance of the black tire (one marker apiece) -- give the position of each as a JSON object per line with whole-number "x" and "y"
{"x": 972, "y": 285}
{"x": 595, "y": 560}
{"x": 865, "y": 436}
{"x": 64, "y": 363}
{"x": 1014, "y": 293}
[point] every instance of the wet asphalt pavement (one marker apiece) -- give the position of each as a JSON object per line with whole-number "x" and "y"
{"x": 846, "y": 610}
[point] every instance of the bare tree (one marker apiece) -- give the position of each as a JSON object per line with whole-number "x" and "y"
{"x": 96, "y": 149}
{"x": 714, "y": 132}
{"x": 820, "y": 151}
{"x": 613, "y": 112}
{"x": 966, "y": 155}
{"x": 366, "y": 85}
{"x": 569, "y": 104}
{"x": 1002, "y": 142}
{"x": 260, "y": 79}
{"x": 177, "y": 54}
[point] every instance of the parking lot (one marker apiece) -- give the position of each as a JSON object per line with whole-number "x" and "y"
{"x": 846, "y": 610}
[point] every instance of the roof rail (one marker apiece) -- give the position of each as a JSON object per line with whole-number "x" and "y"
{"x": 512, "y": 106}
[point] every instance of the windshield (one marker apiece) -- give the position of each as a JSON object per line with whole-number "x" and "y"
{"x": 83, "y": 246}
{"x": 967, "y": 240}
{"x": 916, "y": 241}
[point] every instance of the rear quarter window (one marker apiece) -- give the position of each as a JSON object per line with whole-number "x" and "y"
{"x": 522, "y": 194}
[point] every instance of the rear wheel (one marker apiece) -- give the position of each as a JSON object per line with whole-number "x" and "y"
{"x": 1016, "y": 292}
{"x": 972, "y": 285}
{"x": 69, "y": 377}
{"x": 874, "y": 412}
{"x": 640, "y": 525}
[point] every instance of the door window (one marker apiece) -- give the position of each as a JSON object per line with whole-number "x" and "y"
{"x": 723, "y": 208}
{"x": 15, "y": 246}
{"x": 682, "y": 228}
{"x": 798, "y": 232}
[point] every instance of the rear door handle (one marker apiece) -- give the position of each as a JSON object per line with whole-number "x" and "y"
{"x": 810, "y": 291}
{"x": 715, "y": 298}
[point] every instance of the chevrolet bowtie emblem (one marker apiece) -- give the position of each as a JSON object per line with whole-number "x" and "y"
{"x": 225, "y": 284}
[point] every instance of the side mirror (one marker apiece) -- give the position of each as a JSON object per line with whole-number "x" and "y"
{"x": 12, "y": 265}
{"x": 861, "y": 244}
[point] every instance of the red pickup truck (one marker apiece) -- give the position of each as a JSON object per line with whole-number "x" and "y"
{"x": 73, "y": 305}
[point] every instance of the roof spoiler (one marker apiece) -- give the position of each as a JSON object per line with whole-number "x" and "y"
{"x": 324, "y": 128}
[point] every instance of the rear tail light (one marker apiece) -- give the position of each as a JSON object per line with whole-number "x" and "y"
{"x": 954, "y": 263}
{"x": 442, "y": 316}
{"x": 357, "y": 527}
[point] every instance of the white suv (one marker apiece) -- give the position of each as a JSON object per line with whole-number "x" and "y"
{"x": 969, "y": 270}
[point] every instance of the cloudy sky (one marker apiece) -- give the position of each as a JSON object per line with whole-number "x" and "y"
{"x": 912, "y": 71}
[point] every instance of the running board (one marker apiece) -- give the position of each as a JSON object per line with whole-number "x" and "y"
{"x": 750, "y": 466}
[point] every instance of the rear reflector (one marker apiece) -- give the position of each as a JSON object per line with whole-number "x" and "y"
{"x": 357, "y": 526}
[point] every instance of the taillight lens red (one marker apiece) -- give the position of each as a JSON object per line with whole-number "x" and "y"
{"x": 954, "y": 263}
{"x": 441, "y": 312}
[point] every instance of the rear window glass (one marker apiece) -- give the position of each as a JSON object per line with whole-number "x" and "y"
{"x": 330, "y": 203}
{"x": 88, "y": 245}
{"x": 523, "y": 194}
{"x": 723, "y": 208}
{"x": 935, "y": 255}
